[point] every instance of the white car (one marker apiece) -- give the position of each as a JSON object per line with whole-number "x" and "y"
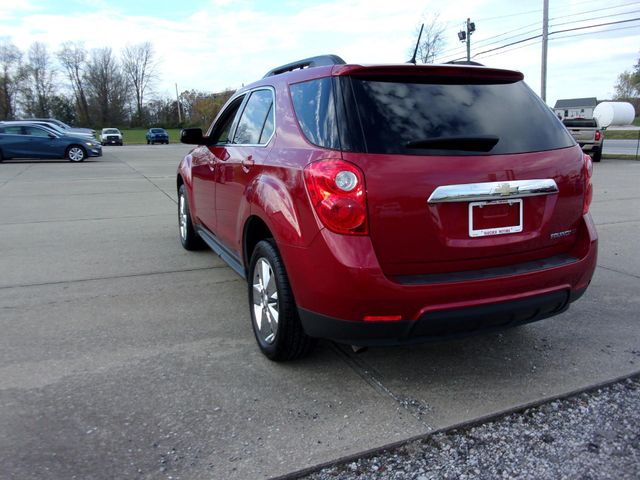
{"x": 111, "y": 136}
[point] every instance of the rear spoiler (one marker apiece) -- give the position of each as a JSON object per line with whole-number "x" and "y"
{"x": 454, "y": 73}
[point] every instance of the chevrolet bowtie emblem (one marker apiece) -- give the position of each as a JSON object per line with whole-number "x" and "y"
{"x": 505, "y": 190}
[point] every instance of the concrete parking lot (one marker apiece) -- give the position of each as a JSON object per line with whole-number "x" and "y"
{"x": 124, "y": 356}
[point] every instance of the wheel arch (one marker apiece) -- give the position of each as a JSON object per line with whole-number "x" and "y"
{"x": 255, "y": 230}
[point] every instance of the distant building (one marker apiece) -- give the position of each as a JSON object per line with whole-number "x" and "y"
{"x": 575, "y": 107}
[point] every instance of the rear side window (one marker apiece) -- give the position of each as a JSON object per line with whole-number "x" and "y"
{"x": 314, "y": 104}
{"x": 256, "y": 123}
{"x": 470, "y": 119}
{"x": 11, "y": 130}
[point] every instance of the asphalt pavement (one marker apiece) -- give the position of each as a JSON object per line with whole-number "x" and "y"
{"x": 622, "y": 147}
{"x": 124, "y": 356}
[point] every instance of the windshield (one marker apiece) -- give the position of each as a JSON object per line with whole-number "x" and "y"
{"x": 405, "y": 118}
{"x": 110, "y": 130}
{"x": 157, "y": 130}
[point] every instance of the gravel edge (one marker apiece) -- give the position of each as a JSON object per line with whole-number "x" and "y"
{"x": 593, "y": 434}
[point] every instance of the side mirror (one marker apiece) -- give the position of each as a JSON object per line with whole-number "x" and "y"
{"x": 193, "y": 136}
{"x": 51, "y": 135}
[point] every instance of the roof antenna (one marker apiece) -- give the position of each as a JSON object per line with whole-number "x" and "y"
{"x": 415, "y": 52}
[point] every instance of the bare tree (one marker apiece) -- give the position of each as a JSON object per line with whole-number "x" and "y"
{"x": 73, "y": 57}
{"x": 140, "y": 68}
{"x": 432, "y": 41}
{"x": 107, "y": 87}
{"x": 10, "y": 78}
{"x": 39, "y": 85}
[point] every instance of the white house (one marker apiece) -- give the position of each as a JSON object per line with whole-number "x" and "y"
{"x": 575, "y": 107}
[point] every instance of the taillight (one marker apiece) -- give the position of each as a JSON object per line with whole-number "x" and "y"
{"x": 598, "y": 135}
{"x": 588, "y": 186}
{"x": 336, "y": 189}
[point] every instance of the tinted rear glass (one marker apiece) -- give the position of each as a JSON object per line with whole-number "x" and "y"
{"x": 580, "y": 122}
{"x": 395, "y": 115}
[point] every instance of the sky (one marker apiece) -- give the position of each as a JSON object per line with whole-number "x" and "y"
{"x": 211, "y": 45}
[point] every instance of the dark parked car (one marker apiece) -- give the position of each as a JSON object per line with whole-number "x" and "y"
{"x": 390, "y": 204}
{"x": 28, "y": 140}
{"x": 157, "y": 135}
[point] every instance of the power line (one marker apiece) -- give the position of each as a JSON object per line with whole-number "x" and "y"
{"x": 593, "y": 33}
{"x": 595, "y": 10}
{"x": 559, "y": 31}
{"x": 596, "y": 18}
{"x": 454, "y": 52}
{"x": 507, "y": 16}
{"x": 537, "y": 42}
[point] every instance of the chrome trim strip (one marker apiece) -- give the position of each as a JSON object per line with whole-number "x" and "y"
{"x": 477, "y": 192}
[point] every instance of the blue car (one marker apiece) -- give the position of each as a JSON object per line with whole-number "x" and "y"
{"x": 27, "y": 140}
{"x": 157, "y": 135}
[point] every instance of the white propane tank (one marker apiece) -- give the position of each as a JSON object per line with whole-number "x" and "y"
{"x": 609, "y": 114}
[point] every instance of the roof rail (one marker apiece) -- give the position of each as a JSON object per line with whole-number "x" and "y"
{"x": 319, "y": 61}
{"x": 465, "y": 62}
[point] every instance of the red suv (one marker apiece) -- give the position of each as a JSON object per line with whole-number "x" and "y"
{"x": 378, "y": 205}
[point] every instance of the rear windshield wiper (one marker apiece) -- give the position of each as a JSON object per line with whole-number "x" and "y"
{"x": 478, "y": 143}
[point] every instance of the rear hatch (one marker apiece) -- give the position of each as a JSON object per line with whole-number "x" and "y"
{"x": 582, "y": 130}
{"x": 493, "y": 147}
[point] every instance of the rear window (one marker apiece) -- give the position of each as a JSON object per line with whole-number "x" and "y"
{"x": 580, "y": 122}
{"x": 405, "y": 118}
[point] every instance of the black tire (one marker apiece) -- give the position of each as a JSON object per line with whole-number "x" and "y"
{"x": 281, "y": 338}
{"x": 596, "y": 156}
{"x": 148, "y": 142}
{"x": 76, "y": 154}
{"x": 188, "y": 237}
{"x": 1, "y": 157}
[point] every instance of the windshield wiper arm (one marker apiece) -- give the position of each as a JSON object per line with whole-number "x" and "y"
{"x": 478, "y": 143}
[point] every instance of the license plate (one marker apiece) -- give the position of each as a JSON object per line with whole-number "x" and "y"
{"x": 497, "y": 217}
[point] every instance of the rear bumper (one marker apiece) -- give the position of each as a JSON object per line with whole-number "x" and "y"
{"x": 590, "y": 147}
{"x": 337, "y": 282}
{"x": 439, "y": 325}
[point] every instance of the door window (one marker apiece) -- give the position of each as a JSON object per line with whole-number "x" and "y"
{"x": 220, "y": 135}
{"x": 36, "y": 132}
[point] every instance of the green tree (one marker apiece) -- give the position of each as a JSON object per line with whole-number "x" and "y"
{"x": 628, "y": 85}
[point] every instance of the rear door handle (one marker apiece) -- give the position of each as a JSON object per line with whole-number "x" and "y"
{"x": 247, "y": 163}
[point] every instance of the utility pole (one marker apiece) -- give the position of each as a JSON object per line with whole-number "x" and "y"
{"x": 545, "y": 41}
{"x": 465, "y": 36}
{"x": 179, "y": 109}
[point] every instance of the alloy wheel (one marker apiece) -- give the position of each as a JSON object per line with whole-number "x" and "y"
{"x": 265, "y": 301}
{"x": 76, "y": 154}
{"x": 182, "y": 217}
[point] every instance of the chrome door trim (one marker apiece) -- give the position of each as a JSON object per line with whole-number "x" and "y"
{"x": 477, "y": 192}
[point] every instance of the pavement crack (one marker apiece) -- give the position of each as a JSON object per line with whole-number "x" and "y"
{"x": 95, "y": 219}
{"x": 114, "y": 277}
{"x": 621, "y": 272}
{"x": 148, "y": 179}
{"x": 17, "y": 175}
{"x": 414, "y": 407}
